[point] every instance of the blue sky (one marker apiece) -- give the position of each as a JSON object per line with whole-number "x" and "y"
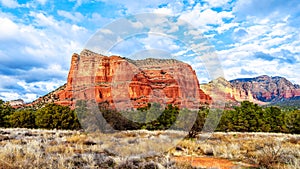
{"x": 38, "y": 37}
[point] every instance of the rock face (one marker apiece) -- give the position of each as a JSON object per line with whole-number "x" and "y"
{"x": 123, "y": 83}
{"x": 261, "y": 89}
{"x": 268, "y": 89}
{"x": 220, "y": 88}
{"x": 16, "y": 103}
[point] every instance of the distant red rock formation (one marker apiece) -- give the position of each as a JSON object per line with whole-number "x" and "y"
{"x": 268, "y": 89}
{"x": 19, "y": 103}
{"x": 260, "y": 90}
{"x": 220, "y": 88}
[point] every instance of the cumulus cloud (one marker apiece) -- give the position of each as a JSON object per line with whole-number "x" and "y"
{"x": 37, "y": 52}
{"x": 164, "y": 10}
{"x": 76, "y": 17}
{"x": 10, "y": 3}
{"x": 9, "y": 30}
{"x": 203, "y": 19}
{"x": 239, "y": 34}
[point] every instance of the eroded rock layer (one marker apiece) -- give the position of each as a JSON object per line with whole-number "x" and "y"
{"x": 261, "y": 89}
{"x": 123, "y": 83}
{"x": 268, "y": 89}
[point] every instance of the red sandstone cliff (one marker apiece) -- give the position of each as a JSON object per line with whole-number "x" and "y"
{"x": 260, "y": 90}
{"x": 123, "y": 83}
{"x": 268, "y": 89}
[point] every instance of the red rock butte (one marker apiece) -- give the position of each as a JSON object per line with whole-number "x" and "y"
{"x": 123, "y": 83}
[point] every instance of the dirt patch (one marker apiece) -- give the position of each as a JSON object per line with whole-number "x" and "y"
{"x": 207, "y": 162}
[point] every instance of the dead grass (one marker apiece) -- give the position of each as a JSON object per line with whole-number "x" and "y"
{"x": 266, "y": 150}
{"x": 24, "y": 148}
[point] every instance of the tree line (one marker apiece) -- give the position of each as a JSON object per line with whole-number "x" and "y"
{"x": 248, "y": 117}
{"x": 51, "y": 116}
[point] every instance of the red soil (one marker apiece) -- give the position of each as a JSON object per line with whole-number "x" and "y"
{"x": 207, "y": 162}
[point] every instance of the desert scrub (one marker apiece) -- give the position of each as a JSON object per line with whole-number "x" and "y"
{"x": 62, "y": 149}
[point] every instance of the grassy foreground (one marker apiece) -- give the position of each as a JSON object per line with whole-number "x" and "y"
{"x": 35, "y": 148}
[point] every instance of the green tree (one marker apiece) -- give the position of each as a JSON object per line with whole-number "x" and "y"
{"x": 226, "y": 123}
{"x": 249, "y": 117}
{"x": 54, "y": 116}
{"x": 119, "y": 122}
{"x": 293, "y": 121}
{"x": 168, "y": 117}
{"x": 23, "y": 119}
{"x": 199, "y": 123}
{"x": 5, "y": 111}
{"x": 274, "y": 120}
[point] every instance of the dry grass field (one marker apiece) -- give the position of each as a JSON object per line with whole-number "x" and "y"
{"x": 35, "y": 148}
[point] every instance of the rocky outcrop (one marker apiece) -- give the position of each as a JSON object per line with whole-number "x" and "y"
{"x": 19, "y": 103}
{"x": 123, "y": 83}
{"x": 260, "y": 90}
{"x": 220, "y": 88}
{"x": 268, "y": 89}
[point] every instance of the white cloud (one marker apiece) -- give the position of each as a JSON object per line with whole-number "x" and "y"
{"x": 8, "y": 96}
{"x": 76, "y": 17}
{"x": 166, "y": 11}
{"x": 270, "y": 37}
{"x": 41, "y": 86}
{"x": 202, "y": 18}
{"x": 226, "y": 26}
{"x": 8, "y": 29}
{"x": 98, "y": 20}
{"x": 42, "y": 2}
{"x": 10, "y": 3}
{"x": 106, "y": 31}
{"x": 43, "y": 20}
{"x": 275, "y": 10}
{"x": 217, "y": 3}
{"x": 160, "y": 42}
{"x": 39, "y": 51}
{"x": 78, "y": 2}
